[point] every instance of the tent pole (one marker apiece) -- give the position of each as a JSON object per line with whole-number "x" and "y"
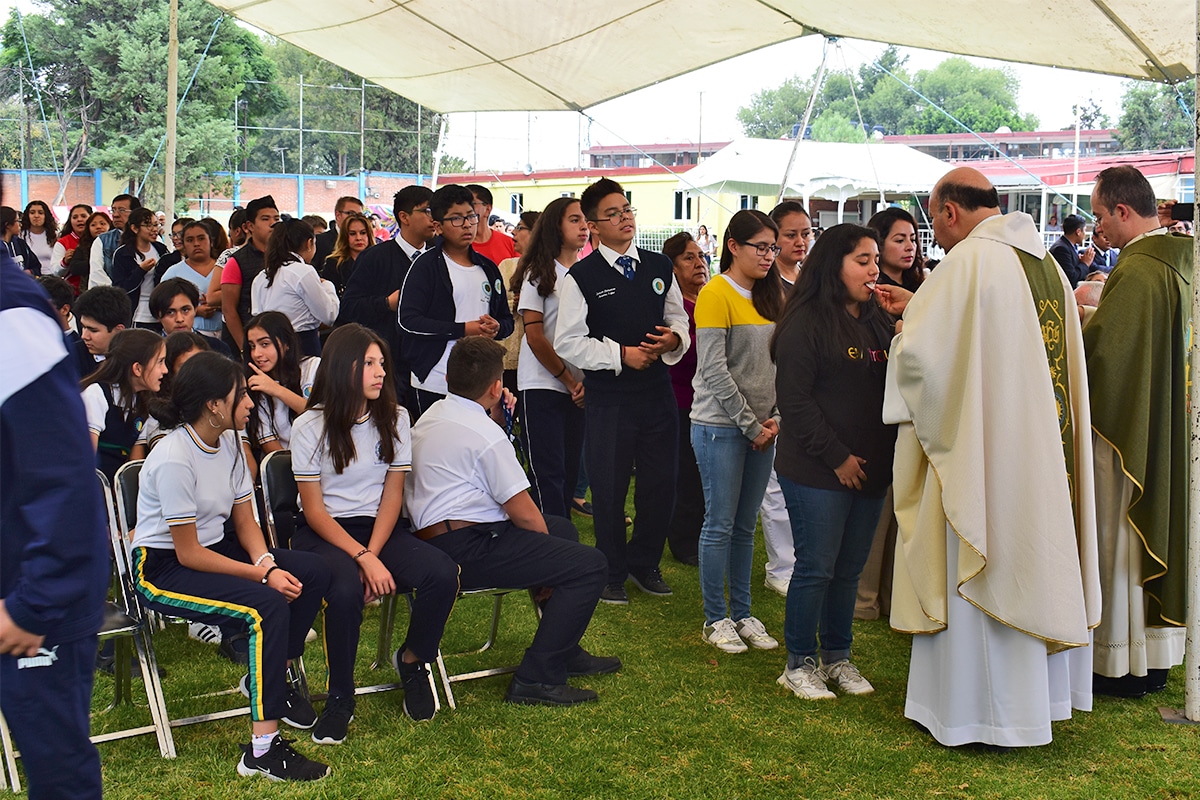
{"x": 812, "y": 100}
{"x": 437, "y": 154}
{"x": 172, "y": 108}
{"x": 1192, "y": 683}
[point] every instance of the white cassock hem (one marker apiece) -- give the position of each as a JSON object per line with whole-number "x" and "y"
{"x": 981, "y": 681}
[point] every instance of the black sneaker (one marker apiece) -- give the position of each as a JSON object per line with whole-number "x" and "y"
{"x": 334, "y": 720}
{"x": 584, "y": 663}
{"x": 236, "y": 648}
{"x": 614, "y": 594}
{"x": 300, "y": 713}
{"x": 280, "y": 763}
{"x": 419, "y": 702}
{"x": 546, "y": 694}
{"x": 581, "y": 507}
{"x": 651, "y": 582}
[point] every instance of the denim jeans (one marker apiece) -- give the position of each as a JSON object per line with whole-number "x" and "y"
{"x": 734, "y": 477}
{"x": 832, "y": 531}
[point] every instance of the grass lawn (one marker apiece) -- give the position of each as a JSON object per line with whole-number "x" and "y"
{"x": 681, "y": 720}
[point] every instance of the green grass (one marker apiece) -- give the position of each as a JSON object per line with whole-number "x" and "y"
{"x": 681, "y": 720}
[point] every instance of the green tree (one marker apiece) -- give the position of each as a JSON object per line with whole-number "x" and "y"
{"x": 1091, "y": 116}
{"x": 833, "y": 127}
{"x": 981, "y": 98}
{"x": 772, "y": 112}
{"x": 1152, "y": 119}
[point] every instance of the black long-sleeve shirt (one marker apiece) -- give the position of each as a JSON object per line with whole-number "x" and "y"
{"x": 829, "y": 390}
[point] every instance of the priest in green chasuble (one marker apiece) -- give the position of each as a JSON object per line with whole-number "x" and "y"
{"x": 996, "y": 568}
{"x": 1137, "y": 343}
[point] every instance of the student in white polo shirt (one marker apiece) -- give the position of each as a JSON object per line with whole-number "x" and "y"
{"x": 468, "y": 498}
{"x": 185, "y": 567}
{"x": 280, "y": 379}
{"x": 350, "y": 453}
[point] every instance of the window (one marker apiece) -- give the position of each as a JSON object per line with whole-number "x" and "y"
{"x": 566, "y": 194}
{"x": 516, "y": 202}
{"x": 629, "y": 195}
{"x": 1187, "y": 188}
{"x": 748, "y": 201}
{"x": 683, "y": 206}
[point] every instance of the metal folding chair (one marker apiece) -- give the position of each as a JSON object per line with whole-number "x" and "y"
{"x": 10, "y": 759}
{"x": 125, "y": 621}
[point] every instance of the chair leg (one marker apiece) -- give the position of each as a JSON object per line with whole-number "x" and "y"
{"x": 10, "y": 758}
{"x": 387, "y": 621}
{"x": 297, "y": 677}
{"x": 122, "y": 679}
{"x": 154, "y": 691}
{"x": 441, "y": 665}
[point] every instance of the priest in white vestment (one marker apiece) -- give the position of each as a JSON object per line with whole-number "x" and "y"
{"x": 996, "y": 562}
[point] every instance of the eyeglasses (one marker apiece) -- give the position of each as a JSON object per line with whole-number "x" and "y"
{"x": 762, "y": 248}
{"x": 616, "y": 216}
{"x": 117, "y": 210}
{"x": 425, "y": 210}
{"x": 460, "y": 221}
{"x": 521, "y": 228}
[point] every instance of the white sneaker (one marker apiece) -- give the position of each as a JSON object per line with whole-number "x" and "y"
{"x": 209, "y": 634}
{"x": 777, "y": 585}
{"x": 310, "y": 637}
{"x": 806, "y": 681}
{"x": 724, "y": 636}
{"x": 847, "y": 677}
{"x": 754, "y": 633}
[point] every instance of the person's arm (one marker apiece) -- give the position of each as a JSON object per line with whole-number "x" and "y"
{"x": 676, "y": 319}
{"x": 543, "y": 351}
{"x": 59, "y": 256}
{"x": 416, "y": 297}
{"x": 128, "y": 272}
{"x": 95, "y": 409}
{"x": 212, "y": 295}
{"x": 712, "y": 364}
{"x": 319, "y": 295}
{"x": 571, "y": 340}
{"x": 193, "y": 555}
{"x": 231, "y": 295}
{"x": 97, "y": 275}
{"x": 262, "y": 382}
{"x": 524, "y": 513}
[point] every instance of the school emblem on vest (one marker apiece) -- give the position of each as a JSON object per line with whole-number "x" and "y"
{"x": 487, "y": 290}
{"x": 658, "y": 285}
{"x": 379, "y": 452}
{"x": 499, "y": 287}
{"x": 44, "y": 658}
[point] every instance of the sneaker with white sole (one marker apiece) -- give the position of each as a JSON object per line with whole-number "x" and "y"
{"x": 280, "y": 763}
{"x": 754, "y": 633}
{"x": 209, "y": 634}
{"x": 777, "y": 585}
{"x": 806, "y": 681}
{"x": 724, "y": 636}
{"x": 847, "y": 677}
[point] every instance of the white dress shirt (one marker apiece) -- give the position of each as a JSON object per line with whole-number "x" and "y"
{"x": 299, "y": 293}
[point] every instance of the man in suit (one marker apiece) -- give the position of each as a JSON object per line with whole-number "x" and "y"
{"x": 1106, "y": 254}
{"x": 373, "y": 291}
{"x": 1066, "y": 250}
{"x": 326, "y": 241}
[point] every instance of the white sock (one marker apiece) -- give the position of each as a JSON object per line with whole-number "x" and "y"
{"x": 262, "y": 743}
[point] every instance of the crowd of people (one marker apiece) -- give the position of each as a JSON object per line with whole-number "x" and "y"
{"x": 1021, "y": 455}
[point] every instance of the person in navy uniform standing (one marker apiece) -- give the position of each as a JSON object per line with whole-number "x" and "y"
{"x": 622, "y": 321}
{"x": 54, "y": 567}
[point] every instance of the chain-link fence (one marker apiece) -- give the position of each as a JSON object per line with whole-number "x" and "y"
{"x": 653, "y": 238}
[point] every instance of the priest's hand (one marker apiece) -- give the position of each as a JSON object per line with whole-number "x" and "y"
{"x": 850, "y": 473}
{"x": 893, "y": 299}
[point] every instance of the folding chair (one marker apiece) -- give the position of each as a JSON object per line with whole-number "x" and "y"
{"x": 124, "y": 620}
{"x": 10, "y": 759}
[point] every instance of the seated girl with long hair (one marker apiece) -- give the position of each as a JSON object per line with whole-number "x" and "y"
{"x": 280, "y": 379}
{"x": 116, "y": 397}
{"x": 185, "y": 567}
{"x": 350, "y": 453}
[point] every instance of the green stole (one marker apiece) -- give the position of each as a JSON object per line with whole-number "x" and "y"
{"x": 1137, "y": 351}
{"x": 1050, "y": 300}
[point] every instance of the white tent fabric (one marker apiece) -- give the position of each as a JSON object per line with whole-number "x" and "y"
{"x": 828, "y": 170}
{"x": 530, "y": 55}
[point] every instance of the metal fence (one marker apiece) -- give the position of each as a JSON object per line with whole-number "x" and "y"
{"x": 653, "y": 238}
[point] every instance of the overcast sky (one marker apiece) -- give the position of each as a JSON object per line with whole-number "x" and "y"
{"x": 671, "y": 111}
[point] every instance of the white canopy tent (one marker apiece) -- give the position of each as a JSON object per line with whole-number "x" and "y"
{"x": 826, "y": 170}
{"x": 532, "y": 55}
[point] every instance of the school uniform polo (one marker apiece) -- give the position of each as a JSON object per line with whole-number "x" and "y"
{"x": 274, "y": 415}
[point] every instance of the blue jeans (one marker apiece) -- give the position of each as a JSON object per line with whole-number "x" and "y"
{"x": 734, "y": 477}
{"x": 832, "y": 531}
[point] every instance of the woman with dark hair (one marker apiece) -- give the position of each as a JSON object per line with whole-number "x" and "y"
{"x": 353, "y": 237}
{"x": 134, "y": 261}
{"x": 350, "y": 453}
{"x": 795, "y": 237}
{"x": 289, "y": 284}
{"x": 550, "y": 390}
{"x": 79, "y": 265}
{"x": 900, "y": 259}
{"x": 185, "y": 566}
{"x": 834, "y": 457}
{"x": 10, "y": 234}
{"x": 691, "y": 273}
{"x": 39, "y": 229}
{"x": 280, "y": 379}
{"x": 508, "y": 269}
{"x": 116, "y": 397}
{"x": 68, "y": 238}
{"x": 216, "y": 235}
{"x": 734, "y": 423}
{"x": 706, "y": 243}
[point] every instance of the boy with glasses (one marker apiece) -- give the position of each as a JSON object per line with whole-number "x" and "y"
{"x": 450, "y": 292}
{"x": 621, "y": 320}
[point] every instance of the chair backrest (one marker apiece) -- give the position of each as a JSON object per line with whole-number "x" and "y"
{"x": 281, "y": 497}
{"x": 127, "y": 496}
{"x": 119, "y": 547}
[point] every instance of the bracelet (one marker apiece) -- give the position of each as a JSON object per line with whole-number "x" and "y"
{"x": 267, "y": 574}
{"x": 361, "y": 553}
{"x": 258, "y": 561}
{"x": 561, "y": 371}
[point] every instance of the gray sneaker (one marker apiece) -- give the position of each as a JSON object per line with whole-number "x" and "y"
{"x": 806, "y": 681}
{"x": 847, "y": 677}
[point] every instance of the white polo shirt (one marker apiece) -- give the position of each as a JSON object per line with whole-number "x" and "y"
{"x": 530, "y": 372}
{"x": 299, "y": 293}
{"x": 274, "y": 417}
{"x": 472, "y": 299}
{"x": 464, "y": 466}
{"x": 356, "y": 492}
{"x": 184, "y": 480}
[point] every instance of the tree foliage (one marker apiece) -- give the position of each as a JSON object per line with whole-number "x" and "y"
{"x": 1152, "y": 119}
{"x": 982, "y": 98}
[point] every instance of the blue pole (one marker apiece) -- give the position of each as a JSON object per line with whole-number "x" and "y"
{"x": 98, "y": 185}
{"x": 24, "y": 188}
{"x": 299, "y": 195}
